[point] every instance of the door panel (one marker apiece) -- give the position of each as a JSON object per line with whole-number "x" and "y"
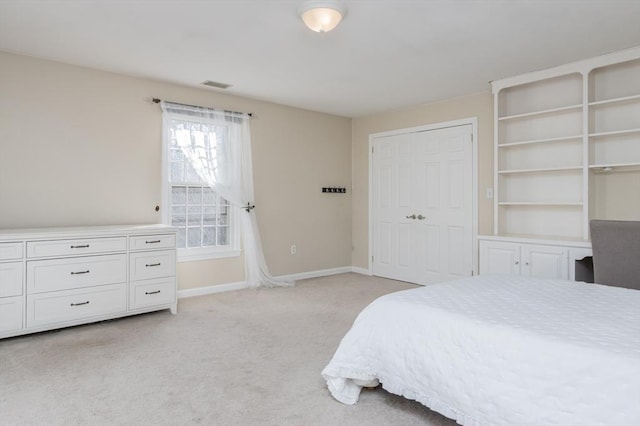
{"x": 456, "y": 184}
{"x": 456, "y": 250}
{"x": 430, "y": 256}
{"x": 431, "y": 184}
{"x": 385, "y": 181}
{"x": 404, "y": 245}
{"x": 404, "y": 185}
{"x": 384, "y": 248}
{"x": 456, "y": 143}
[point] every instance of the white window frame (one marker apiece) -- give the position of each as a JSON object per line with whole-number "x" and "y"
{"x": 196, "y": 253}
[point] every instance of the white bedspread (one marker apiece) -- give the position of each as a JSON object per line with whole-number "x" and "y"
{"x": 500, "y": 351}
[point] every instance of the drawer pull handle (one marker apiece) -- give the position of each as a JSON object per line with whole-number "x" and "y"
{"x": 152, "y": 292}
{"x": 152, "y": 242}
{"x": 152, "y": 264}
{"x": 84, "y": 246}
{"x": 80, "y": 272}
{"x": 80, "y": 304}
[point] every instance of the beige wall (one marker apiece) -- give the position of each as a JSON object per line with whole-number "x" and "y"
{"x": 210, "y": 272}
{"x": 479, "y": 105}
{"x": 83, "y": 147}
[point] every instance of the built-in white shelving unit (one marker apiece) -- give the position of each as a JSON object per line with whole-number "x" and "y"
{"x": 566, "y": 150}
{"x": 614, "y": 140}
{"x": 567, "y": 147}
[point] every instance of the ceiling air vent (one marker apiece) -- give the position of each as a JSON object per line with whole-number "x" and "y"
{"x": 216, "y": 84}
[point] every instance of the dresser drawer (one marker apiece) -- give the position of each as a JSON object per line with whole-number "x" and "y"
{"x": 159, "y": 291}
{"x": 11, "y": 313}
{"x": 153, "y": 264}
{"x": 80, "y": 246}
{"x": 152, "y": 242}
{"x": 69, "y": 305}
{"x": 75, "y": 272}
{"x": 10, "y": 279}
{"x": 10, "y": 251}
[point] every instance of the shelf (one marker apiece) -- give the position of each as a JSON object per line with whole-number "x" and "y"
{"x": 620, "y": 167}
{"x": 550, "y": 169}
{"x": 614, "y": 133}
{"x": 615, "y": 100}
{"x": 561, "y": 221}
{"x": 537, "y": 239}
{"x": 529, "y": 203}
{"x": 534, "y": 141}
{"x": 542, "y": 112}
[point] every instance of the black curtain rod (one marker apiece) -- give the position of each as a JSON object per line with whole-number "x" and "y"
{"x": 157, "y": 101}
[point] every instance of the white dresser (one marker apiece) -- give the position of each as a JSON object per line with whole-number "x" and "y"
{"x": 58, "y": 277}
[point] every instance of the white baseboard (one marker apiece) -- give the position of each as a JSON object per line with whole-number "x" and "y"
{"x": 316, "y": 274}
{"x": 219, "y": 288}
{"x": 362, "y": 271}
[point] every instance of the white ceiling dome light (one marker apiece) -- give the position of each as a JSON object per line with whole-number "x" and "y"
{"x": 321, "y": 16}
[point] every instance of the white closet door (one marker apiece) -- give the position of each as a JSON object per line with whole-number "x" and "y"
{"x": 422, "y": 205}
{"x": 392, "y": 192}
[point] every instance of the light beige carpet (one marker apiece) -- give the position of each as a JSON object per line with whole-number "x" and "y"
{"x": 250, "y": 357}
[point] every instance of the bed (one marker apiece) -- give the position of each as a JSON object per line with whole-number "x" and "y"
{"x": 498, "y": 350}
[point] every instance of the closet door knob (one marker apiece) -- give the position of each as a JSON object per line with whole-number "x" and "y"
{"x": 413, "y": 216}
{"x": 420, "y": 217}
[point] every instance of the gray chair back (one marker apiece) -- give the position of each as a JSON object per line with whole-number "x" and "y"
{"x": 616, "y": 252}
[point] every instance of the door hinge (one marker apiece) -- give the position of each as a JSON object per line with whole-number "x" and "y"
{"x": 472, "y": 273}
{"x": 372, "y": 150}
{"x": 472, "y": 137}
{"x": 371, "y": 259}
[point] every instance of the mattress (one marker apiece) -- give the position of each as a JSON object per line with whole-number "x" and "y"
{"x": 500, "y": 351}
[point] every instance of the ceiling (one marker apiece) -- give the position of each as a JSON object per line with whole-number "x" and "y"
{"x": 386, "y": 54}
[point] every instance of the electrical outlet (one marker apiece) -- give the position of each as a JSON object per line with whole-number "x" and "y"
{"x": 294, "y": 249}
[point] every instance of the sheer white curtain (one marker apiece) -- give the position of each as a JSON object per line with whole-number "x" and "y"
{"x": 225, "y": 165}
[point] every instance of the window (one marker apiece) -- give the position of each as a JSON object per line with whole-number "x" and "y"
{"x": 205, "y": 221}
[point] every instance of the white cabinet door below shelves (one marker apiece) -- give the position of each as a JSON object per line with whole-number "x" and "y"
{"x": 545, "y": 262}
{"x": 531, "y": 260}
{"x": 499, "y": 258}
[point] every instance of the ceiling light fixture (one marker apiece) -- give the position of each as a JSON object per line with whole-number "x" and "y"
{"x": 321, "y": 16}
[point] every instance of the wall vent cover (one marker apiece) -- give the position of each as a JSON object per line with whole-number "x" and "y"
{"x": 216, "y": 84}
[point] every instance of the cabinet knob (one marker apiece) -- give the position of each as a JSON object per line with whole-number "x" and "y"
{"x": 517, "y": 262}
